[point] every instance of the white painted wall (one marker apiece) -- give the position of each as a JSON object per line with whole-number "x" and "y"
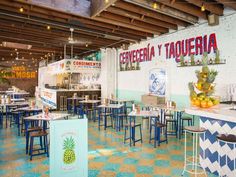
{"x": 178, "y": 78}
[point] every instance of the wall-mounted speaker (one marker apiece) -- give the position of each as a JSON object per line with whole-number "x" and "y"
{"x": 213, "y": 20}
{"x": 125, "y": 46}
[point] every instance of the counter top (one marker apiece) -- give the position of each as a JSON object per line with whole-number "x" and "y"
{"x": 219, "y": 112}
{"x": 71, "y": 90}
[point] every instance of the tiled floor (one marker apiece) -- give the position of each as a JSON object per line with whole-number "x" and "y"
{"x": 108, "y": 156}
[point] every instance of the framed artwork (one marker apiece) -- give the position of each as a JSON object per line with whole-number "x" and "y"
{"x": 157, "y": 82}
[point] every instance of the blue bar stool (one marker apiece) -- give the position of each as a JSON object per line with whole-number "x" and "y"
{"x": 1, "y": 116}
{"x": 171, "y": 123}
{"x": 9, "y": 115}
{"x": 158, "y": 126}
{"x": 191, "y": 163}
{"x": 230, "y": 141}
{"x": 104, "y": 114}
{"x": 119, "y": 115}
{"x": 16, "y": 116}
{"x": 188, "y": 119}
{"x": 131, "y": 125}
{"x": 44, "y": 147}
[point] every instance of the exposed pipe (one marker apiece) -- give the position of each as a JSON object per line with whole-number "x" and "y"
{"x": 71, "y": 52}
{"x": 65, "y": 51}
{"x": 59, "y": 25}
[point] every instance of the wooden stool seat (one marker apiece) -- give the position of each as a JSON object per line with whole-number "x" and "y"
{"x": 160, "y": 125}
{"x": 105, "y": 114}
{"x": 195, "y": 129}
{"x": 187, "y": 118}
{"x": 169, "y": 115}
{"x": 170, "y": 120}
{"x": 38, "y": 134}
{"x": 132, "y": 124}
{"x": 227, "y": 138}
{"x": 34, "y": 129}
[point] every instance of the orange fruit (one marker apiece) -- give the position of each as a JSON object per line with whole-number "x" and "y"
{"x": 192, "y": 102}
{"x": 203, "y": 104}
{"x": 210, "y": 104}
{"x": 197, "y": 102}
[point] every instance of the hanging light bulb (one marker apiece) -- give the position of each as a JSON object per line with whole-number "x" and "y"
{"x": 21, "y": 9}
{"x": 106, "y": 1}
{"x": 48, "y": 27}
{"x": 86, "y": 45}
{"x": 203, "y": 7}
{"x": 155, "y": 5}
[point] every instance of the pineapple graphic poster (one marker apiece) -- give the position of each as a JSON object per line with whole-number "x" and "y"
{"x": 69, "y": 148}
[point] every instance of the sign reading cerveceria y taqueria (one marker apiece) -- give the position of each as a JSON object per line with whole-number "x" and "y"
{"x": 20, "y": 72}
{"x": 186, "y": 47}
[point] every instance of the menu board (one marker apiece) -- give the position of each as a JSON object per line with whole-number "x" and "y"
{"x": 74, "y": 66}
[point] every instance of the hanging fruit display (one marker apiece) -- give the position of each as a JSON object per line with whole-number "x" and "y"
{"x": 203, "y": 97}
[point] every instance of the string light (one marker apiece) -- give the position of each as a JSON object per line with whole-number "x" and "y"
{"x": 21, "y": 9}
{"x": 203, "y": 7}
{"x": 48, "y": 27}
{"x": 155, "y": 5}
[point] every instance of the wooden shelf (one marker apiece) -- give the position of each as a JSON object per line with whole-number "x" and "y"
{"x": 189, "y": 65}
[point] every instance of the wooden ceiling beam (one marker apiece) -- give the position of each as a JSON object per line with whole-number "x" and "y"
{"x": 54, "y": 39}
{"x": 167, "y": 10}
{"x": 186, "y": 8}
{"x": 115, "y": 22}
{"x": 83, "y": 21}
{"x": 228, "y": 3}
{"x": 150, "y": 13}
{"x": 129, "y": 36}
{"x": 63, "y": 32}
{"x": 98, "y": 6}
{"x": 156, "y": 29}
{"x": 136, "y": 16}
{"x": 217, "y": 9}
{"x": 70, "y": 19}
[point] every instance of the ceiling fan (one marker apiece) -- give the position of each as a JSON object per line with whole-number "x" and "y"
{"x": 73, "y": 41}
{"x": 18, "y": 59}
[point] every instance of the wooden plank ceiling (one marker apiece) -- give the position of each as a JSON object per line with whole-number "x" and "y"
{"x": 112, "y": 23}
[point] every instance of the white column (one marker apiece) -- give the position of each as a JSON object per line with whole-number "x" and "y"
{"x": 108, "y": 72}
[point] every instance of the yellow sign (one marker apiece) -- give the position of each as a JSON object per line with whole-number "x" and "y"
{"x": 19, "y": 72}
{"x": 18, "y": 68}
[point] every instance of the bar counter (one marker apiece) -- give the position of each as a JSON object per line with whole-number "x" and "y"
{"x": 54, "y": 97}
{"x": 220, "y": 119}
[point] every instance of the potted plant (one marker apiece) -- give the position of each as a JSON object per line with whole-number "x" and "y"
{"x": 3, "y": 76}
